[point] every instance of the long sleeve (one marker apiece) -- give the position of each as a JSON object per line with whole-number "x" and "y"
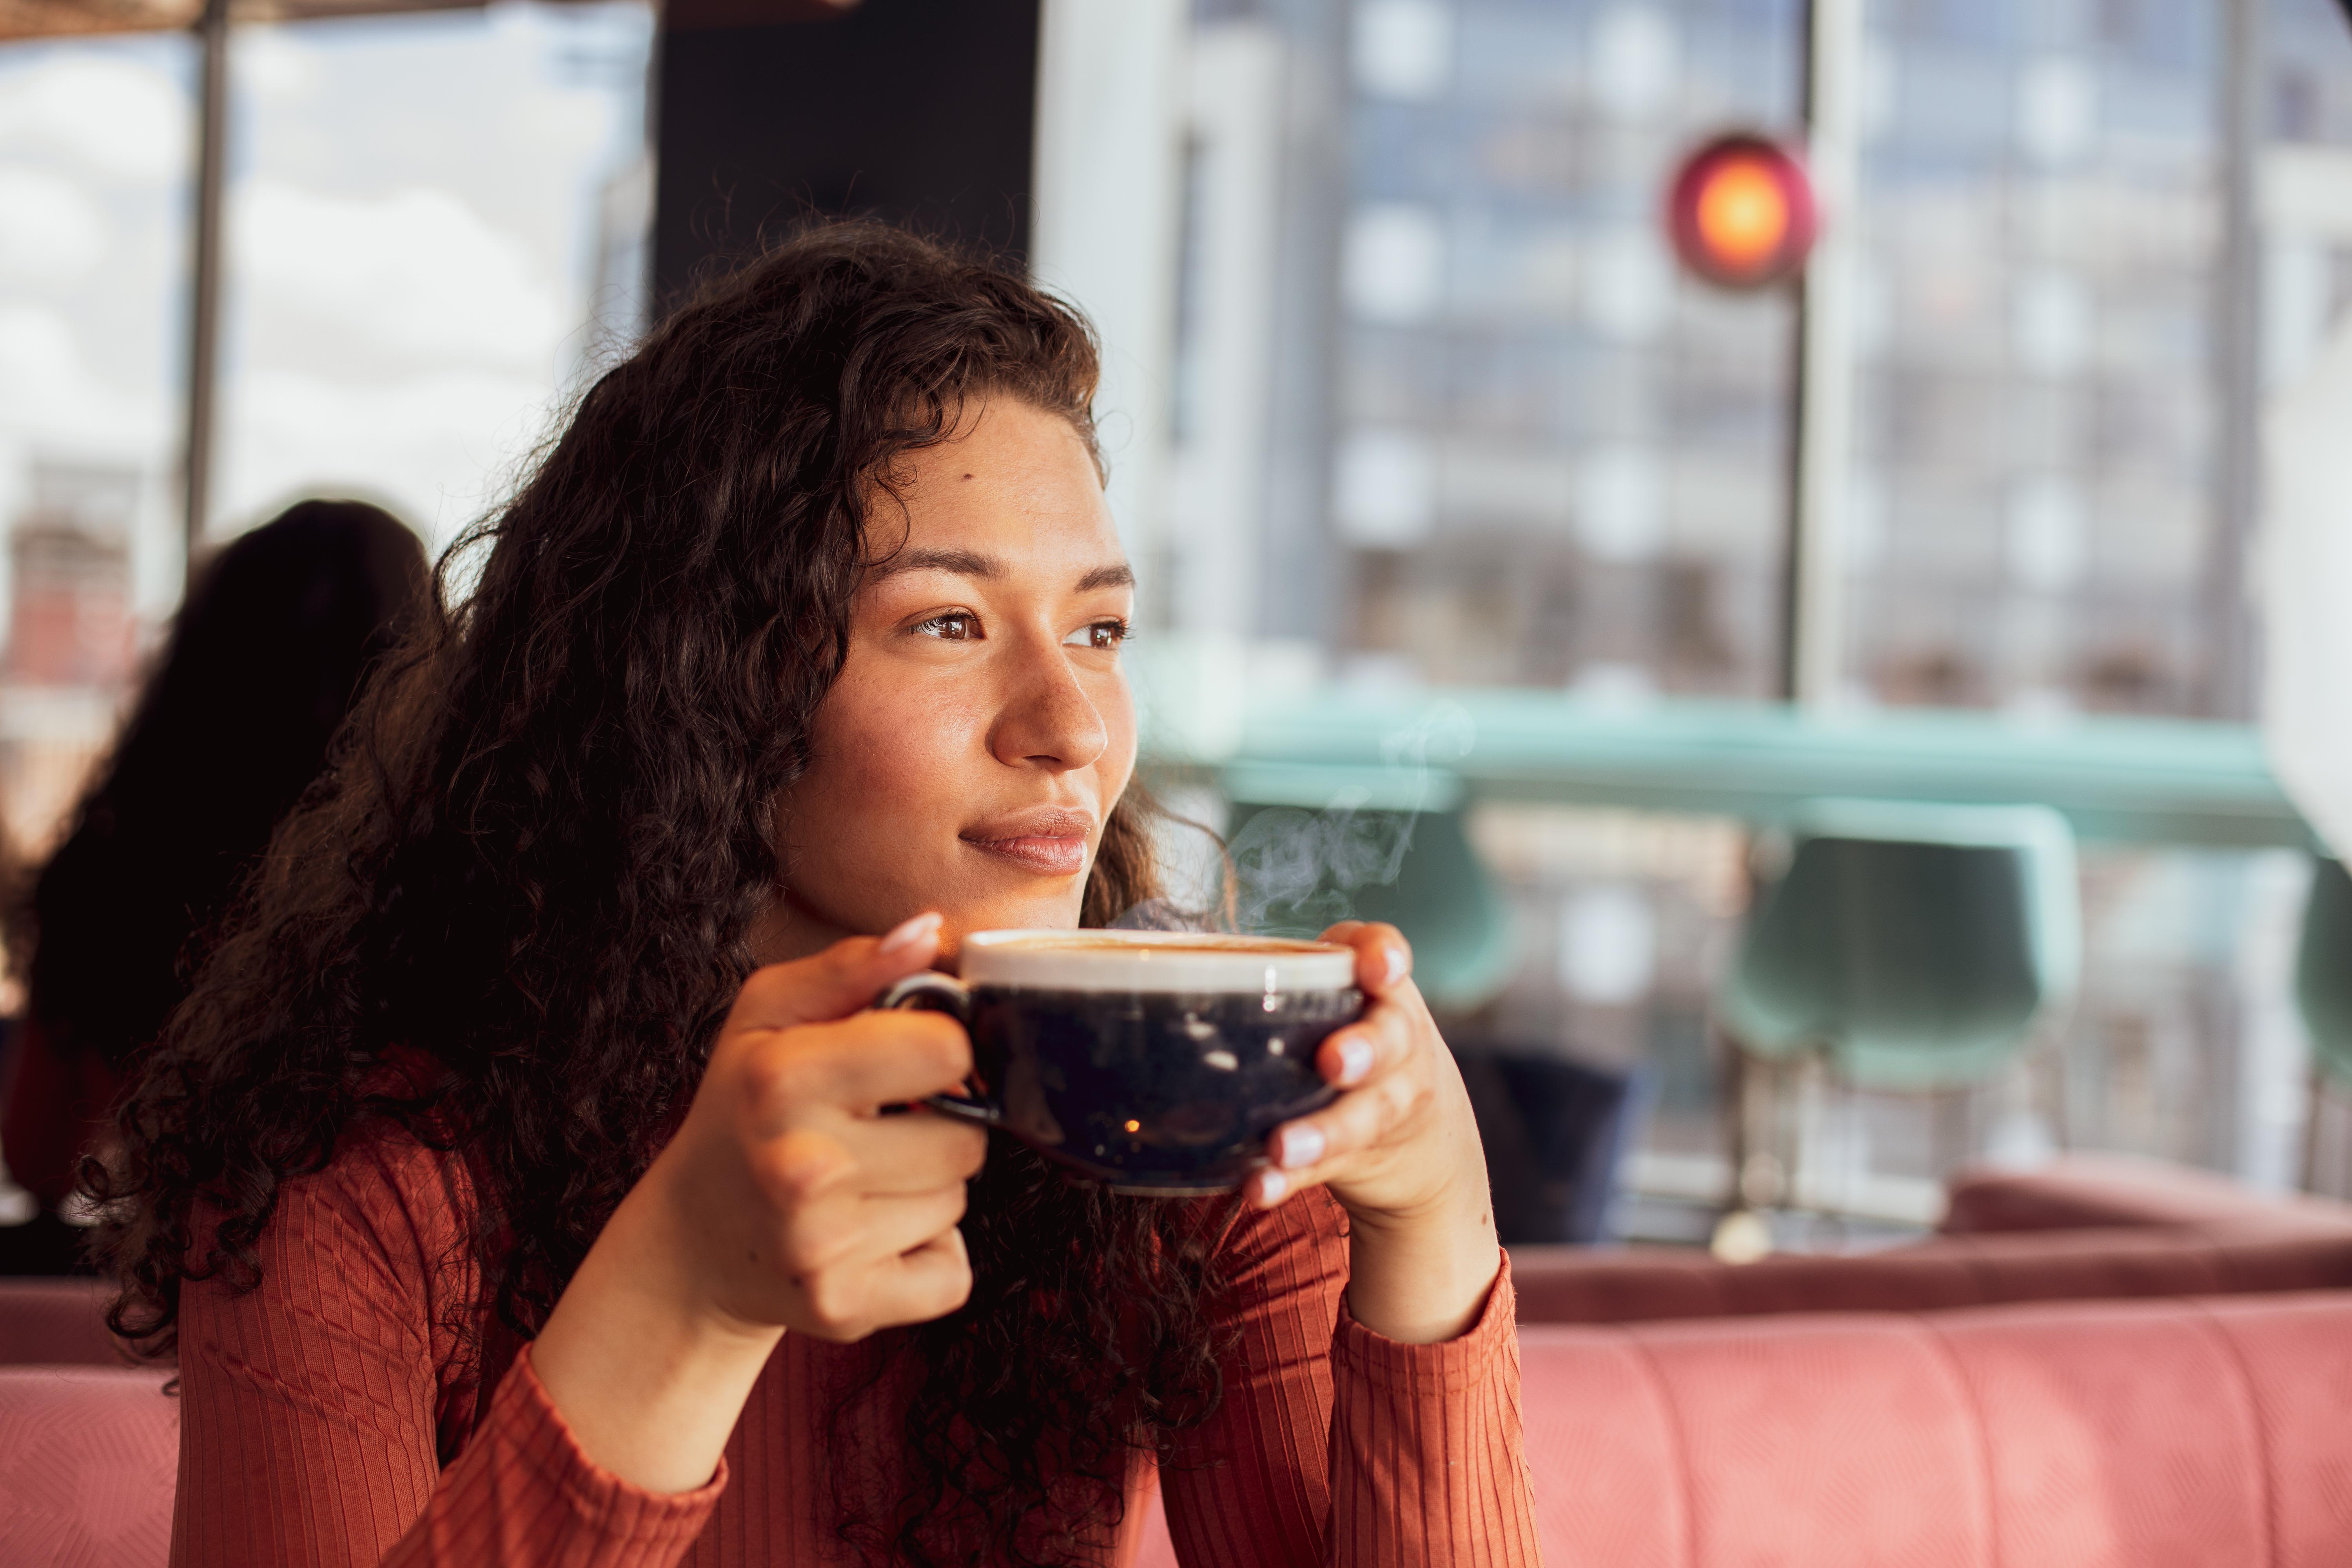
{"x": 316, "y": 1408}
{"x": 329, "y": 1416}
{"x": 1428, "y": 1462}
{"x": 1334, "y": 1445}
{"x": 522, "y": 1492}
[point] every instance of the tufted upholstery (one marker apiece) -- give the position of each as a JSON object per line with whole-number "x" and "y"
{"x": 2206, "y": 1434}
{"x": 88, "y": 1458}
{"x": 2088, "y": 1435}
{"x": 2085, "y": 1434}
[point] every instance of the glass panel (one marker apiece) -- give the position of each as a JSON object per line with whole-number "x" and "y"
{"x": 435, "y": 227}
{"x": 1447, "y": 414}
{"x": 2042, "y": 211}
{"x": 1601, "y": 443}
{"x": 432, "y": 224}
{"x": 1507, "y": 442}
{"x": 94, "y": 166}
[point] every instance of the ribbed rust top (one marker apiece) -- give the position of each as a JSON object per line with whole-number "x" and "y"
{"x": 331, "y": 1417}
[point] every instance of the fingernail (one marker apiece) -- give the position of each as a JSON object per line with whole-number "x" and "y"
{"x": 1271, "y": 1185}
{"x": 1355, "y": 1059}
{"x": 1300, "y": 1146}
{"x": 909, "y": 933}
{"x": 1398, "y": 964}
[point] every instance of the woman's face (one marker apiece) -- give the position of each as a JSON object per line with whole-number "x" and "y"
{"x": 982, "y": 729}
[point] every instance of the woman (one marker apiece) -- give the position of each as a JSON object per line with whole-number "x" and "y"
{"x": 278, "y": 631}
{"x": 517, "y": 1184}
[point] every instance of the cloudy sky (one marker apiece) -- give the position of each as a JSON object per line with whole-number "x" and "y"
{"x": 412, "y": 235}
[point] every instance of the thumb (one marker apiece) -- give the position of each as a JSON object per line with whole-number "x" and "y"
{"x": 842, "y": 980}
{"x": 1383, "y": 957}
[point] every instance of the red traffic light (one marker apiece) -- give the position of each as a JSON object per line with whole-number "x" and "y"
{"x": 1740, "y": 212}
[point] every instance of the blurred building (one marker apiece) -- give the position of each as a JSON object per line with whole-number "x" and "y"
{"x": 72, "y": 638}
{"x": 69, "y": 620}
{"x": 1506, "y": 443}
{"x": 1487, "y": 432}
{"x": 1554, "y": 461}
{"x": 2045, "y": 470}
{"x": 1447, "y": 412}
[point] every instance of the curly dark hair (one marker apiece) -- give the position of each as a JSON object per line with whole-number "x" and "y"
{"x": 278, "y": 633}
{"x": 547, "y": 835}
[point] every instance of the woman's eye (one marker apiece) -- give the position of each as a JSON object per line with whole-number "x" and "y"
{"x": 1105, "y": 636}
{"x": 954, "y": 626}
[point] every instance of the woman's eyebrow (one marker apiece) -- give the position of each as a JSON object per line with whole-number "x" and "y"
{"x": 962, "y": 563}
{"x": 973, "y": 563}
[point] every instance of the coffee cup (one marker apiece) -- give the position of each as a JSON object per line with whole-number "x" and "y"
{"x": 1153, "y": 1062}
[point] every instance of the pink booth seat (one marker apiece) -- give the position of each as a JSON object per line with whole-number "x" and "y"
{"x": 56, "y": 1322}
{"x": 2189, "y": 1433}
{"x": 2082, "y": 1191}
{"x": 1571, "y": 1285}
{"x": 2085, "y": 1227}
{"x": 2204, "y": 1434}
{"x": 88, "y": 1459}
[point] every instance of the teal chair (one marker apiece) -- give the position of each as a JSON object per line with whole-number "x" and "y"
{"x": 1299, "y": 868}
{"x": 2323, "y": 993}
{"x": 1910, "y": 947}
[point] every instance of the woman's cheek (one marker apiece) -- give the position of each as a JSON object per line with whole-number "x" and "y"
{"x": 924, "y": 745}
{"x": 1117, "y": 706}
{"x": 898, "y": 731}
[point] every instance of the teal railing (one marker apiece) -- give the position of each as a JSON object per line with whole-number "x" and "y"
{"x": 2114, "y": 779}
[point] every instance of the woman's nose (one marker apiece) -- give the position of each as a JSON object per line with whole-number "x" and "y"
{"x": 1048, "y": 719}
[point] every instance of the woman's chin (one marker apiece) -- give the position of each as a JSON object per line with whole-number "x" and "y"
{"x": 1010, "y": 914}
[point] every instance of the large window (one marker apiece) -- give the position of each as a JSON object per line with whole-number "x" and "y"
{"x": 2040, "y": 497}
{"x": 1554, "y": 460}
{"x": 423, "y": 212}
{"x": 1498, "y": 437}
{"x": 94, "y": 159}
{"x": 435, "y": 224}
{"x": 1448, "y": 414}
{"x": 1503, "y": 439}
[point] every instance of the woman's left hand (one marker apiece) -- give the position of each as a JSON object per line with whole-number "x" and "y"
{"x": 1399, "y": 1151}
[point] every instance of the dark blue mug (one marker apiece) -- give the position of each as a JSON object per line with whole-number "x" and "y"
{"x": 1154, "y": 1062}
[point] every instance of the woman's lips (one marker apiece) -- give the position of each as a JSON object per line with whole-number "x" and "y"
{"x": 1060, "y": 857}
{"x": 1051, "y": 840}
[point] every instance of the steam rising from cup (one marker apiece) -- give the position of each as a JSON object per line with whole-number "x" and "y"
{"x": 1291, "y": 871}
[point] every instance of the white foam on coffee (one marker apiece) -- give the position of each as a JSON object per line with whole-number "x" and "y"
{"x": 1152, "y": 961}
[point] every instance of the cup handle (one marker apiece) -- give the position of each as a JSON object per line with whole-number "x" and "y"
{"x": 937, "y": 993}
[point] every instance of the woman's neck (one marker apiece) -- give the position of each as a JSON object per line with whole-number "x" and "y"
{"x": 787, "y": 930}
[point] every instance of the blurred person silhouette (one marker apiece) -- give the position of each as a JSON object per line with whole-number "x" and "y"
{"x": 277, "y": 634}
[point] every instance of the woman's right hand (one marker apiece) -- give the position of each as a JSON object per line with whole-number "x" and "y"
{"x": 805, "y": 1205}
{"x": 787, "y": 1200}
